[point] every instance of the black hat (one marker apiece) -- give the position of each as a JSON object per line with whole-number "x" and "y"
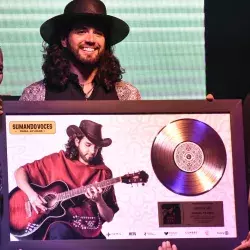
{"x": 90, "y": 11}
{"x": 92, "y": 130}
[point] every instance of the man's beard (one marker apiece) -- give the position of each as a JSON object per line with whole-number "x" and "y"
{"x": 88, "y": 160}
{"x": 90, "y": 61}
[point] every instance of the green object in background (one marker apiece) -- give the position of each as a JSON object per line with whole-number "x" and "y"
{"x": 164, "y": 54}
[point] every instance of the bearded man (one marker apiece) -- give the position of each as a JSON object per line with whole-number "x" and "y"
{"x": 79, "y": 62}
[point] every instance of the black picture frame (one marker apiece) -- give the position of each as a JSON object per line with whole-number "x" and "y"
{"x": 232, "y": 107}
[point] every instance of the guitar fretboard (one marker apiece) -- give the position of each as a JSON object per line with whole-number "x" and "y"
{"x": 82, "y": 190}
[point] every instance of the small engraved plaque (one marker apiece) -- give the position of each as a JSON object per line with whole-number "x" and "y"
{"x": 191, "y": 214}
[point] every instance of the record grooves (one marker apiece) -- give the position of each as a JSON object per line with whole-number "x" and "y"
{"x": 188, "y": 157}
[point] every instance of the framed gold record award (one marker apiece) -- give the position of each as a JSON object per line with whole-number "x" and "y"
{"x": 167, "y": 170}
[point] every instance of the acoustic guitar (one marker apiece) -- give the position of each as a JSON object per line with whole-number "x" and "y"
{"x": 24, "y": 221}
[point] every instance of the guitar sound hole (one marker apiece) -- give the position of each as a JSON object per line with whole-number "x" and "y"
{"x": 51, "y": 199}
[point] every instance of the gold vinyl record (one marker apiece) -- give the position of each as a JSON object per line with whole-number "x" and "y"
{"x": 188, "y": 157}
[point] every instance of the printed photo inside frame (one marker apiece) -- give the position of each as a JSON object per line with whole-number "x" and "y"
{"x": 130, "y": 173}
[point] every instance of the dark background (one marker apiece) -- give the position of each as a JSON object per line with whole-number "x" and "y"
{"x": 227, "y": 35}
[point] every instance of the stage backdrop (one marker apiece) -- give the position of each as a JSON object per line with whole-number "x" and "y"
{"x": 163, "y": 55}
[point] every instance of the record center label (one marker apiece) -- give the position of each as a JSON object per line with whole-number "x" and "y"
{"x": 191, "y": 214}
{"x": 188, "y": 156}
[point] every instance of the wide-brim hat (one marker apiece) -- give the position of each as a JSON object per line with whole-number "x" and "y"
{"x": 89, "y": 11}
{"x": 90, "y": 129}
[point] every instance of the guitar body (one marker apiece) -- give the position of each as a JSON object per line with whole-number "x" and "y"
{"x": 24, "y": 221}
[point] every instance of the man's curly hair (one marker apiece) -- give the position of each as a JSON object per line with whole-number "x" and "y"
{"x": 72, "y": 151}
{"x": 56, "y": 67}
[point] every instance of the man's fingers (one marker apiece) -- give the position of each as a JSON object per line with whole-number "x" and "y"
{"x": 166, "y": 245}
{"x": 34, "y": 207}
{"x": 88, "y": 194}
{"x": 94, "y": 191}
{"x": 245, "y": 246}
{"x": 238, "y": 248}
{"x": 42, "y": 199}
{"x": 42, "y": 207}
{"x": 210, "y": 97}
{"x": 38, "y": 205}
{"x": 174, "y": 247}
{"x": 248, "y": 236}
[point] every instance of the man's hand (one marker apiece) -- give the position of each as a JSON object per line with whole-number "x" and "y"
{"x": 245, "y": 244}
{"x": 37, "y": 201}
{"x": 166, "y": 245}
{"x": 94, "y": 194}
{"x": 210, "y": 97}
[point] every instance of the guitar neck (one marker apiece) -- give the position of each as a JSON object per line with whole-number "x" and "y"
{"x": 82, "y": 190}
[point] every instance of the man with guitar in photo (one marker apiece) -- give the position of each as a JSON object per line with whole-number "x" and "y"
{"x": 73, "y": 181}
